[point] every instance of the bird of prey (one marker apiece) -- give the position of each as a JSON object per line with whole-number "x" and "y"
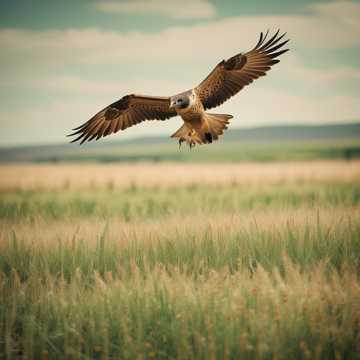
{"x": 200, "y": 127}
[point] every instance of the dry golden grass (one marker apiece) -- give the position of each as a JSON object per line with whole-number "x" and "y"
{"x": 257, "y": 285}
{"x": 173, "y": 261}
{"x": 151, "y": 231}
{"x": 29, "y": 176}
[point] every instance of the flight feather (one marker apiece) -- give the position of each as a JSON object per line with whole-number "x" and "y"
{"x": 231, "y": 75}
{"x": 122, "y": 114}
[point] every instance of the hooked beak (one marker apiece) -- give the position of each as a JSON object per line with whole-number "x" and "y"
{"x": 172, "y": 105}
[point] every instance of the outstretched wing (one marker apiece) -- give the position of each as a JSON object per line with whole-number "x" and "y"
{"x": 128, "y": 111}
{"x": 231, "y": 75}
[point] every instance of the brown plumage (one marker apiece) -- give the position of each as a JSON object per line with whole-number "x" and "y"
{"x": 226, "y": 79}
{"x": 126, "y": 112}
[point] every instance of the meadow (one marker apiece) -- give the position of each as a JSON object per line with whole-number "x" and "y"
{"x": 180, "y": 261}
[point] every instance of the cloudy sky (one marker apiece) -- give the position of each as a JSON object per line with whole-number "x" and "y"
{"x": 60, "y": 62}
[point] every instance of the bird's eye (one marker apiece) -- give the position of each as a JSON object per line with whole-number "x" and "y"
{"x": 179, "y": 100}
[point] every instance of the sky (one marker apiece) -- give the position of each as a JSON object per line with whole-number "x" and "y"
{"x": 62, "y": 61}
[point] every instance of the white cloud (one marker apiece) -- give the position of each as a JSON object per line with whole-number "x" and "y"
{"x": 331, "y": 80}
{"x": 260, "y": 106}
{"x": 329, "y": 25}
{"x": 347, "y": 10}
{"x": 323, "y": 80}
{"x": 184, "y": 9}
{"x": 106, "y": 89}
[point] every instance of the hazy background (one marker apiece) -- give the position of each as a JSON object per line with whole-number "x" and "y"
{"x": 60, "y": 62}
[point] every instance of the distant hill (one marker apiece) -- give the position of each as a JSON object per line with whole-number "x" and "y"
{"x": 296, "y": 132}
{"x": 261, "y": 143}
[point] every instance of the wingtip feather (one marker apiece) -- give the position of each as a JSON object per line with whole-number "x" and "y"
{"x": 276, "y": 47}
{"x": 276, "y": 54}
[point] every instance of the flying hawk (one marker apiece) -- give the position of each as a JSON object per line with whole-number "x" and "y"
{"x": 200, "y": 127}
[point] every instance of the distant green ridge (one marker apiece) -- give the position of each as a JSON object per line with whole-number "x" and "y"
{"x": 267, "y": 143}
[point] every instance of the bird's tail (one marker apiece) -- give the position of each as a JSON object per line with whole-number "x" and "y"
{"x": 211, "y": 128}
{"x": 214, "y": 126}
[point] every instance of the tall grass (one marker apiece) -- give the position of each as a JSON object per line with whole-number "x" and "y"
{"x": 287, "y": 290}
{"x": 140, "y": 203}
{"x": 263, "y": 271}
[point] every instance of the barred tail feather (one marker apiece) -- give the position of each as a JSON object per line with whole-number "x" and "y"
{"x": 216, "y": 124}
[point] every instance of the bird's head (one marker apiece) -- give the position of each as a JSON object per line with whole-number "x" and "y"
{"x": 181, "y": 101}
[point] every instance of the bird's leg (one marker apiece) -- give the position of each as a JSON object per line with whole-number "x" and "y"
{"x": 190, "y": 139}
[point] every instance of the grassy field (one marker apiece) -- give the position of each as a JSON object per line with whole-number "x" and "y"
{"x": 231, "y": 151}
{"x": 227, "y": 151}
{"x": 180, "y": 261}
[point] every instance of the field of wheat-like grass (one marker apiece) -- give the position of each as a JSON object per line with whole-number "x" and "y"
{"x": 175, "y": 261}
